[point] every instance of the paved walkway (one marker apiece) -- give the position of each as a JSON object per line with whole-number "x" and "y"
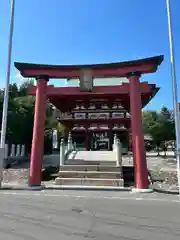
{"x": 93, "y": 215}
{"x": 153, "y": 161}
{"x": 93, "y": 155}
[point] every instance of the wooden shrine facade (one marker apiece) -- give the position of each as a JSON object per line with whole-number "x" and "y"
{"x": 94, "y": 123}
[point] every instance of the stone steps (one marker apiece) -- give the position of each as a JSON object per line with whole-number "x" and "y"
{"x": 103, "y": 168}
{"x": 89, "y": 181}
{"x": 89, "y": 174}
{"x": 99, "y": 169}
{"x": 93, "y": 162}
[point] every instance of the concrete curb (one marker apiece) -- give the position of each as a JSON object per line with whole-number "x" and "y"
{"x": 86, "y": 188}
{"x": 19, "y": 187}
{"x": 170, "y": 192}
{"x": 63, "y": 187}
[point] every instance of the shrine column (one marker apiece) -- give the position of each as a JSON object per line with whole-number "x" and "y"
{"x": 37, "y": 149}
{"x": 139, "y": 155}
{"x": 111, "y": 137}
{"x": 87, "y": 147}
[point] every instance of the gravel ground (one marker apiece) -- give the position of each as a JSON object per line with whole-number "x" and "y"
{"x": 164, "y": 173}
{"x": 168, "y": 181}
{"x": 17, "y": 176}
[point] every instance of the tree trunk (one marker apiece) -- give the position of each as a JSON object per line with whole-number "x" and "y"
{"x": 164, "y": 153}
{"x": 158, "y": 151}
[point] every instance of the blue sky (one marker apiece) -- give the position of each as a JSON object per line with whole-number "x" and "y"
{"x": 91, "y": 31}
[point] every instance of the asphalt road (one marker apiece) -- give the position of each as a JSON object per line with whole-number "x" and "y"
{"x": 88, "y": 215}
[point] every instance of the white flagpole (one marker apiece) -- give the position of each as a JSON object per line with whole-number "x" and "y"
{"x": 6, "y": 91}
{"x": 174, "y": 90}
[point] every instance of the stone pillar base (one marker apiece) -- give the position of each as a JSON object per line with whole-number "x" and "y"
{"x": 138, "y": 190}
{"x": 41, "y": 187}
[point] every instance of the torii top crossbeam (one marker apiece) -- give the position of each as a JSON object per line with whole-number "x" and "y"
{"x": 118, "y": 69}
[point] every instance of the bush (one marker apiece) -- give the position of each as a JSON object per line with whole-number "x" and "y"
{"x": 48, "y": 142}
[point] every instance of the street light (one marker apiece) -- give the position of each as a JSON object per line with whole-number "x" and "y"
{"x": 6, "y": 91}
{"x": 174, "y": 90}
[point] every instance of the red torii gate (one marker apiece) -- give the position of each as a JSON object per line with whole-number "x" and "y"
{"x": 130, "y": 69}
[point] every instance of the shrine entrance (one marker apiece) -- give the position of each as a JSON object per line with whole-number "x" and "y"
{"x": 132, "y": 94}
{"x": 79, "y": 137}
{"x": 99, "y": 141}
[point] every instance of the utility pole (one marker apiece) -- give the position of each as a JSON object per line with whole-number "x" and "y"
{"x": 6, "y": 90}
{"x": 174, "y": 90}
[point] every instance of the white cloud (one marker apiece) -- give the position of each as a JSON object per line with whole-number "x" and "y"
{"x": 18, "y": 78}
{"x": 2, "y": 83}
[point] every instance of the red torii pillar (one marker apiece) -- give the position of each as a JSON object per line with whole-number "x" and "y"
{"x": 37, "y": 149}
{"x": 140, "y": 165}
